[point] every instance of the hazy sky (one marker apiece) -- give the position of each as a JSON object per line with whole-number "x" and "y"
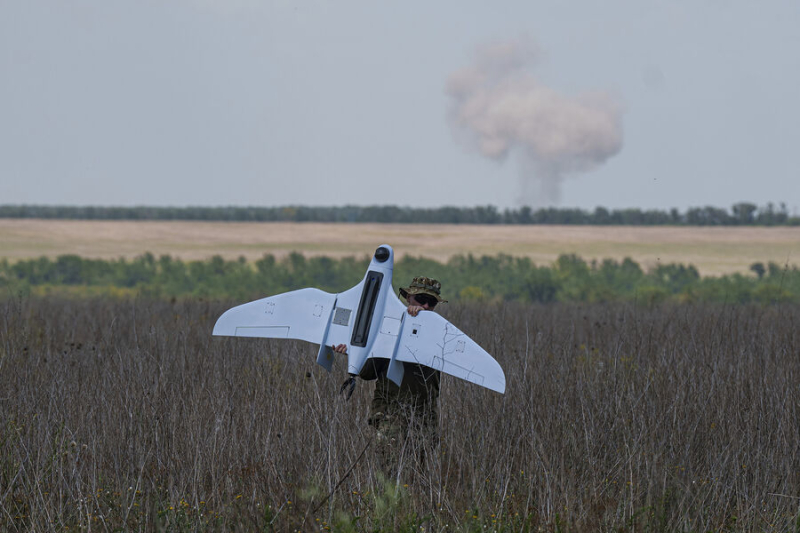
{"x": 656, "y": 104}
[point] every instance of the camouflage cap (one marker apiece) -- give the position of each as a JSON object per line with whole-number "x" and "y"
{"x": 423, "y": 285}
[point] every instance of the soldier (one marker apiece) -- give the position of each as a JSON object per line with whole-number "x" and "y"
{"x": 405, "y": 417}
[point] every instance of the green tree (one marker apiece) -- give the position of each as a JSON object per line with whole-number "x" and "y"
{"x": 759, "y": 269}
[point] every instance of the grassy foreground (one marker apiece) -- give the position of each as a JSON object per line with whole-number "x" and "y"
{"x": 128, "y": 414}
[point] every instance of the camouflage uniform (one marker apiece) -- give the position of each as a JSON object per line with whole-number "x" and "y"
{"x": 405, "y": 417}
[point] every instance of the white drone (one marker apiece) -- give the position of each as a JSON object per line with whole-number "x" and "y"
{"x": 373, "y": 322}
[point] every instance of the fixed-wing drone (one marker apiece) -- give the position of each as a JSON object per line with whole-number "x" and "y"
{"x": 373, "y": 322}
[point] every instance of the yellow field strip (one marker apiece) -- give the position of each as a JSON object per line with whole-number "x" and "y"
{"x": 713, "y": 251}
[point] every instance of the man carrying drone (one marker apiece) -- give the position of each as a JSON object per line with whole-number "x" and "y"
{"x": 403, "y": 346}
{"x": 399, "y": 413}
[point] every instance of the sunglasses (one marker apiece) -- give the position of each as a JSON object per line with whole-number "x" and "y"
{"x": 423, "y": 299}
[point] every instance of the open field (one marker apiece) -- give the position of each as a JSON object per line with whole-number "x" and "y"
{"x": 713, "y": 250}
{"x": 128, "y": 415}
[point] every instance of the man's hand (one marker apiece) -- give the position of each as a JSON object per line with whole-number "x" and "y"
{"x": 350, "y": 383}
{"x": 414, "y": 309}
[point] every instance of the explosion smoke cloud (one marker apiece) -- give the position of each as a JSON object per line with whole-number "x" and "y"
{"x": 502, "y": 108}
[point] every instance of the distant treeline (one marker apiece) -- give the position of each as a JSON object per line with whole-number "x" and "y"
{"x": 465, "y": 278}
{"x": 741, "y": 214}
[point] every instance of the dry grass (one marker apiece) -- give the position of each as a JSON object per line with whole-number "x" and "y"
{"x": 129, "y": 414}
{"x": 713, "y": 251}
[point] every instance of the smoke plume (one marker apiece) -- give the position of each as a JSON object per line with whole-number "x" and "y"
{"x": 500, "y": 108}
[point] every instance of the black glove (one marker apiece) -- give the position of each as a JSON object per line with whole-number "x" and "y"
{"x": 350, "y": 384}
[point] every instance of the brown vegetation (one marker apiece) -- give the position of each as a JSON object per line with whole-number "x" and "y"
{"x": 129, "y": 414}
{"x": 713, "y": 250}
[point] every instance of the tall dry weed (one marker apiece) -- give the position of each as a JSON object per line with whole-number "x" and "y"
{"x": 128, "y": 414}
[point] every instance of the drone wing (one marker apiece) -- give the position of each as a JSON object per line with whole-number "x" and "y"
{"x": 430, "y": 340}
{"x": 372, "y": 321}
{"x": 303, "y": 315}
